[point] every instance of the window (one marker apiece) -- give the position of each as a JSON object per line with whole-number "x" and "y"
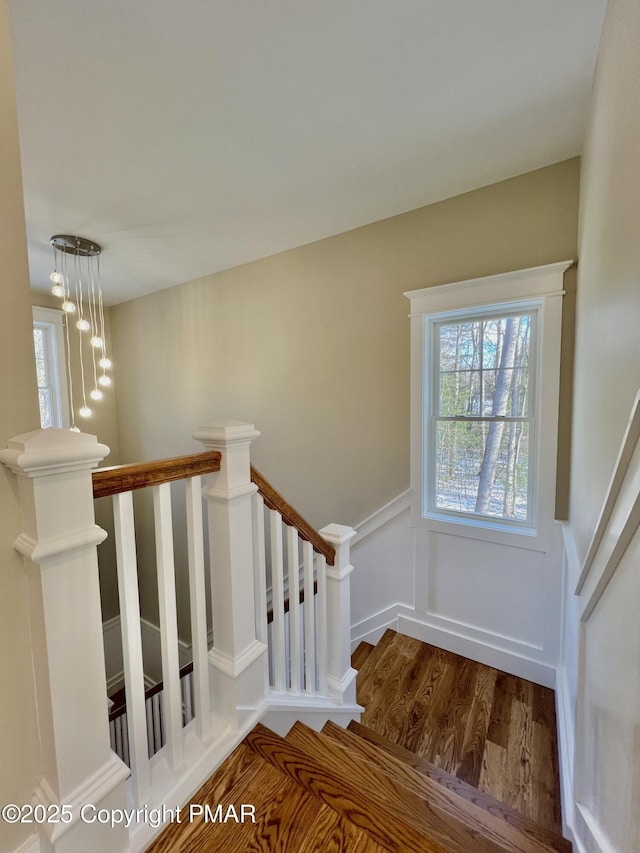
{"x": 480, "y": 418}
{"x": 48, "y": 341}
{"x": 485, "y": 373}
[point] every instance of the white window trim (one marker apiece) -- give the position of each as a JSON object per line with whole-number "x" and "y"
{"x": 541, "y": 286}
{"x": 54, "y": 320}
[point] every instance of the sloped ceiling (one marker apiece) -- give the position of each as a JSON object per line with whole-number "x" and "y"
{"x": 189, "y": 137}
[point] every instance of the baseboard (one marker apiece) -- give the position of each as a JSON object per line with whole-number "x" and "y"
{"x": 418, "y": 626}
{"x": 371, "y": 630}
{"x": 566, "y": 746}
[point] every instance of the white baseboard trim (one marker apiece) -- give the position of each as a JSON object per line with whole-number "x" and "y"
{"x": 381, "y": 516}
{"x": 566, "y": 746}
{"x": 419, "y": 627}
{"x": 371, "y": 630}
{"x": 280, "y": 720}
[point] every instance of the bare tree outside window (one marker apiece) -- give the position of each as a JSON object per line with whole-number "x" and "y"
{"x": 482, "y": 416}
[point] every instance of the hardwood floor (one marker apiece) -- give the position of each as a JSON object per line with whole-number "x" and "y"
{"x": 451, "y": 757}
{"x": 492, "y": 730}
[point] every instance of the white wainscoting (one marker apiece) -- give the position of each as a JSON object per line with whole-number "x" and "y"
{"x": 599, "y": 673}
{"x": 505, "y": 615}
{"x": 382, "y": 580}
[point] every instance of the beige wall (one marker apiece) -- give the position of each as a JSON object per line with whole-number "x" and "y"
{"x": 312, "y": 345}
{"x": 103, "y": 423}
{"x": 607, "y": 356}
{"x": 19, "y": 753}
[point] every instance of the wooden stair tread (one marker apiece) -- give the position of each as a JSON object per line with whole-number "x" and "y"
{"x": 287, "y": 816}
{"x": 361, "y": 654}
{"x": 490, "y": 817}
{"x": 378, "y": 820}
{"x": 369, "y": 665}
{"x": 462, "y": 789}
{"x": 432, "y": 816}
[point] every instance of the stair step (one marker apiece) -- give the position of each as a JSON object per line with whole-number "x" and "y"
{"x": 287, "y": 816}
{"x": 361, "y": 654}
{"x": 381, "y": 821}
{"x": 462, "y": 800}
{"x": 455, "y": 829}
{"x": 368, "y": 668}
{"x": 461, "y": 788}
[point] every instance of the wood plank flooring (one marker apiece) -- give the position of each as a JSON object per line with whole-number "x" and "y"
{"x": 492, "y": 730}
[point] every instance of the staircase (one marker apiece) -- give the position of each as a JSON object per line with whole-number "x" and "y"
{"x": 356, "y": 789}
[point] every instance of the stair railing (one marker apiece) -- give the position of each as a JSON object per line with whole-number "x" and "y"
{"x": 229, "y": 686}
{"x": 297, "y": 571}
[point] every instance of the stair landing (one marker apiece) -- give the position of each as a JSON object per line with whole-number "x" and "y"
{"x": 494, "y": 731}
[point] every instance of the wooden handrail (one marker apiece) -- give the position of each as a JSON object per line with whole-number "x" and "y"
{"x": 127, "y": 478}
{"x": 274, "y": 500}
{"x": 120, "y": 702}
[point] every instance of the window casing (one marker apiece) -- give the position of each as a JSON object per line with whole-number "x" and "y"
{"x": 48, "y": 339}
{"x": 536, "y": 293}
{"x": 480, "y": 416}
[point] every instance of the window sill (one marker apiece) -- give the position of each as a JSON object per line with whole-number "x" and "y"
{"x": 519, "y": 537}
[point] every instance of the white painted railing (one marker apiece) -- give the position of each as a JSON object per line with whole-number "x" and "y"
{"x": 173, "y": 742}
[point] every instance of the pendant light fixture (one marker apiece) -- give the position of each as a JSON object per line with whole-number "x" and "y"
{"x": 76, "y": 281}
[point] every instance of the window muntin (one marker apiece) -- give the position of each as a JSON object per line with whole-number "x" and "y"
{"x": 480, "y": 419}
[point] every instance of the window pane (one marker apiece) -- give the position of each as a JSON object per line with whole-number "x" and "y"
{"x": 41, "y": 365}
{"x": 459, "y": 393}
{"x": 482, "y": 468}
{"x": 46, "y": 414}
{"x": 484, "y": 367}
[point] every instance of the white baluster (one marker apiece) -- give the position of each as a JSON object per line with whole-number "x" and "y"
{"x": 195, "y": 542}
{"x": 277, "y": 599}
{"x": 309, "y": 620}
{"x": 127, "y": 569}
{"x": 149, "y": 712}
{"x": 294, "y": 607}
{"x": 172, "y": 703}
{"x": 188, "y": 705}
{"x": 259, "y": 568}
{"x": 321, "y": 625}
{"x": 157, "y": 726}
{"x": 125, "y": 739}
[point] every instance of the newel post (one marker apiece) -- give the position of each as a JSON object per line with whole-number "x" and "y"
{"x": 58, "y": 541}
{"x": 238, "y": 682}
{"x": 342, "y": 678}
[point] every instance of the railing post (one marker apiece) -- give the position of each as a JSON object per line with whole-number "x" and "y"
{"x": 238, "y": 681}
{"x": 342, "y": 678}
{"x": 58, "y": 541}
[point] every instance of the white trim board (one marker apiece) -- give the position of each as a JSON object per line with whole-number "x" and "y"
{"x": 625, "y": 454}
{"x": 419, "y": 627}
{"x": 382, "y": 516}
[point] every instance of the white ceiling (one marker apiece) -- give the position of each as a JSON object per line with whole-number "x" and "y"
{"x": 191, "y": 136}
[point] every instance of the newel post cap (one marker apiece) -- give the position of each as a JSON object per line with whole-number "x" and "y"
{"x": 50, "y": 451}
{"x": 337, "y": 534}
{"x": 226, "y": 431}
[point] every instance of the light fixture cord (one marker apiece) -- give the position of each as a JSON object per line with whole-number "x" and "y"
{"x": 77, "y": 275}
{"x": 66, "y": 328}
{"x": 94, "y": 324}
{"x": 101, "y": 310}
